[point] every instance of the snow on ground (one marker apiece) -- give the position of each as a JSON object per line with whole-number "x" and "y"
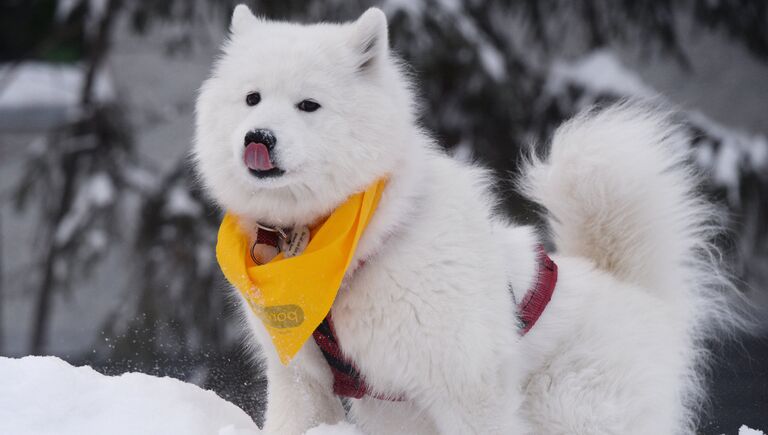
{"x": 348, "y": 429}
{"x": 45, "y": 395}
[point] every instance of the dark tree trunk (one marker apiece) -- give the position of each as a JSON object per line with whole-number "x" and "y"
{"x": 97, "y": 49}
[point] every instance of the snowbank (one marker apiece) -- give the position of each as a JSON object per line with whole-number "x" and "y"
{"x": 744, "y": 430}
{"x": 45, "y": 395}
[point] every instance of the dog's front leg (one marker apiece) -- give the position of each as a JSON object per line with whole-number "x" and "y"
{"x": 470, "y": 383}
{"x": 478, "y": 412}
{"x": 299, "y": 396}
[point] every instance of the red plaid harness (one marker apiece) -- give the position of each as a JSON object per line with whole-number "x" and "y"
{"x": 347, "y": 380}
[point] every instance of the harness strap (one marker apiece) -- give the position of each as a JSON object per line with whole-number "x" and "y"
{"x": 347, "y": 381}
{"x": 537, "y": 298}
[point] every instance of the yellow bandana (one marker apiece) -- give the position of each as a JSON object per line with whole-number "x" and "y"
{"x": 293, "y": 295}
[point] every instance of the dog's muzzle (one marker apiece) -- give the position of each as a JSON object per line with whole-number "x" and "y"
{"x": 258, "y": 155}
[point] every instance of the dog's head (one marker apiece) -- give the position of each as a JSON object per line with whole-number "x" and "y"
{"x": 295, "y": 118}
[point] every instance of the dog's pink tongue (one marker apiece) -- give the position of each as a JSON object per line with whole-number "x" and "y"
{"x": 256, "y": 157}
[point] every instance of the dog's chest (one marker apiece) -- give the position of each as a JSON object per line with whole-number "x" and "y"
{"x": 370, "y": 315}
{"x": 368, "y": 306}
{"x": 400, "y": 309}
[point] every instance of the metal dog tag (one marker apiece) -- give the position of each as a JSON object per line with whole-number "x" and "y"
{"x": 296, "y": 242}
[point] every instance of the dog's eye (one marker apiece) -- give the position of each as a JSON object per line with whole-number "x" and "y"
{"x": 253, "y": 98}
{"x": 308, "y": 106}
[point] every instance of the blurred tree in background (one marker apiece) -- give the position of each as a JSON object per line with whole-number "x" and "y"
{"x": 491, "y": 80}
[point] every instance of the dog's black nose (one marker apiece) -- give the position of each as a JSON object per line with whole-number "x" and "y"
{"x": 261, "y": 135}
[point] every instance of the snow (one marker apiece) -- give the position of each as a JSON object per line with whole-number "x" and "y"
{"x": 140, "y": 178}
{"x": 64, "y": 8}
{"x": 490, "y": 58}
{"x": 726, "y": 167}
{"x": 600, "y": 71}
{"x": 100, "y": 189}
{"x": 40, "y": 84}
{"x": 181, "y": 203}
{"x": 463, "y": 152}
{"x": 737, "y": 151}
{"x": 754, "y": 148}
{"x": 68, "y": 226}
{"x": 46, "y": 396}
{"x": 338, "y": 429}
{"x": 492, "y": 61}
{"x": 96, "y": 10}
{"x": 97, "y": 192}
{"x": 744, "y": 430}
{"x": 758, "y": 154}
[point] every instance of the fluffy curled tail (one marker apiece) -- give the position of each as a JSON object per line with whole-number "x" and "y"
{"x": 619, "y": 190}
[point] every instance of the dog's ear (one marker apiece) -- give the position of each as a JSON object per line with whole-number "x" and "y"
{"x": 242, "y": 18}
{"x": 370, "y": 39}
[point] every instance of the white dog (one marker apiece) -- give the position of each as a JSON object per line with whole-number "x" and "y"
{"x": 432, "y": 317}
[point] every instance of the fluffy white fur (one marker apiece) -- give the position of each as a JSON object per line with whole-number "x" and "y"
{"x": 430, "y": 316}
